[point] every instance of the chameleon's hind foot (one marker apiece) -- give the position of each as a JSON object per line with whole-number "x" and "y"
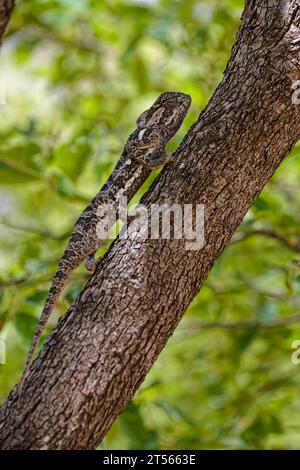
{"x": 129, "y": 216}
{"x": 155, "y": 161}
{"x": 137, "y": 212}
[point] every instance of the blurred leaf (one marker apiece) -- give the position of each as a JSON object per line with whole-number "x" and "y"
{"x": 72, "y": 159}
{"x": 25, "y": 325}
{"x": 15, "y": 174}
{"x": 37, "y": 298}
{"x": 267, "y": 312}
{"x": 139, "y": 436}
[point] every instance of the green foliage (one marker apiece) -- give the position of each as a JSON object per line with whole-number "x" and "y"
{"x": 78, "y": 74}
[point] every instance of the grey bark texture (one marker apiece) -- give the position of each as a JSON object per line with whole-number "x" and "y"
{"x": 104, "y": 346}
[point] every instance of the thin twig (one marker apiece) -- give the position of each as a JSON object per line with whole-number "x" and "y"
{"x": 35, "y": 281}
{"x": 294, "y": 246}
{"x": 35, "y": 230}
{"x": 92, "y": 45}
{"x": 293, "y": 319}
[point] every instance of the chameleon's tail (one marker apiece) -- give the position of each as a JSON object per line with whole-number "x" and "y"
{"x": 60, "y": 278}
{"x": 37, "y": 335}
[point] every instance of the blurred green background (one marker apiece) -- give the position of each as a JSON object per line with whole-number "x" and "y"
{"x": 78, "y": 73}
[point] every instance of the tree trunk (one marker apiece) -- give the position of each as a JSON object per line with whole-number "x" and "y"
{"x": 103, "y": 348}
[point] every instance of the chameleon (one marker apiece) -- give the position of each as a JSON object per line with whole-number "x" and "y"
{"x": 144, "y": 151}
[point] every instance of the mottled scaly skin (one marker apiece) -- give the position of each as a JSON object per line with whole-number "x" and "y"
{"x": 144, "y": 151}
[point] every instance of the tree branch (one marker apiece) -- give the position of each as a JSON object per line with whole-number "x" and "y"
{"x": 243, "y": 325}
{"x": 102, "y": 349}
{"x": 28, "y": 280}
{"x": 291, "y": 245}
{"x": 34, "y": 230}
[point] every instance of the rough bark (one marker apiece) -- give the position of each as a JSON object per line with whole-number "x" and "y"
{"x": 6, "y": 8}
{"x": 102, "y": 349}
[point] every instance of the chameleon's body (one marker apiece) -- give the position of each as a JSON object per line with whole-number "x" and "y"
{"x": 145, "y": 150}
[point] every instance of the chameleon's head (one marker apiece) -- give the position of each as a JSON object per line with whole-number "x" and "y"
{"x": 168, "y": 111}
{"x": 174, "y": 99}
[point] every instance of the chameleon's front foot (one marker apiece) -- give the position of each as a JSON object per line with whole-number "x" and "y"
{"x": 136, "y": 213}
{"x": 156, "y": 161}
{"x": 90, "y": 263}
